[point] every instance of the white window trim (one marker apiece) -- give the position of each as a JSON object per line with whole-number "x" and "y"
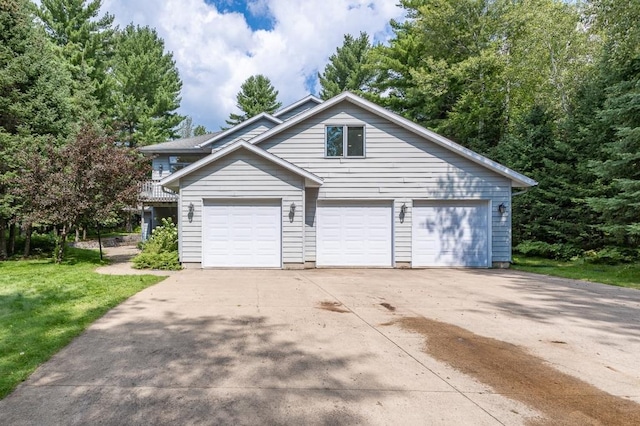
{"x": 345, "y": 141}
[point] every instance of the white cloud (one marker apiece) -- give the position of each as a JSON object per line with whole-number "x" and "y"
{"x": 216, "y": 52}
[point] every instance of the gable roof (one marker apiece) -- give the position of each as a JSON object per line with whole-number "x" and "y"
{"x": 239, "y": 126}
{"x": 518, "y": 180}
{"x": 178, "y": 145}
{"x": 294, "y": 105}
{"x": 311, "y": 179}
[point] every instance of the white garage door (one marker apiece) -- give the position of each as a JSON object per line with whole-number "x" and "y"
{"x": 242, "y": 233}
{"x": 354, "y": 234}
{"x": 450, "y": 233}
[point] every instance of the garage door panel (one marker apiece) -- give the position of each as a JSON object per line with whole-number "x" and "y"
{"x": 447, "y": 234}
{"x": 242, "y": 233}
{"x": 354, "y": 235}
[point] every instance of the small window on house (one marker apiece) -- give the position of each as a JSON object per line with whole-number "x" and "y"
{"x": 179, "y": 162}
{"x": 345, "y": 141}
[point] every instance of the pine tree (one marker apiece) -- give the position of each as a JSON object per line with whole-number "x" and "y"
{"x": 348, "y": 69}
{"x": 620, "y": 171}
{"x": 256, "y": 95}
{"x": 200, "y": 130}
{"x": 470, "y": 69}
{"x": 145, "y": 88}
{"x": 615, "y": 122}
{"x": 86, "y": 42}
{"x": 34, "y": 97}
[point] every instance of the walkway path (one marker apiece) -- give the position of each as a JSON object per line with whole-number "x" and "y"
{"x": 120, "y": 258}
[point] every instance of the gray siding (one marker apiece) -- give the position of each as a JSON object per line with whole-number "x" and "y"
{"x": 160, "y": 160}
{"x": 399, "y": 165}
{"x": 163, "y": 160}
{"x": 297, "y": 110}
{"x": 246, "y": 133}
{"x": 241, "y": 175}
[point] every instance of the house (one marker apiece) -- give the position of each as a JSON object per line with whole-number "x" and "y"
{"x": 339, "y": 183}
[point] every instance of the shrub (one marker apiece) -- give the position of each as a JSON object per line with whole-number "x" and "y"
{"x": 161, "y": 250}
{"x": 550, "y": 251}
{"x": 611, "y": 256}
{"x": 41, "y": 244}
{"x": 166, "y": 261}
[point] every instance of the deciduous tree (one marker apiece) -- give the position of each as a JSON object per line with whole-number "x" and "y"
{"x": 89, "y": 180}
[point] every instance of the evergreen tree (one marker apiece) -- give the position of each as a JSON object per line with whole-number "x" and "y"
{"x": 200, "y": 130}
{"x": 256, "y": 95}
{"x": 145, "y": 88}
{"x": 348, "y": 69}
{"x": 34, "y": 97}
{"x": 619, "y": 120}
{"x": 443, "y": 71}
{"x": 470, "y": 68}
{"x": 555, "y": 211}
{"x": 620, "y": 170}
{"x": 86, "y": 42}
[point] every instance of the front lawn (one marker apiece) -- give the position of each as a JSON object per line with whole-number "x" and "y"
{"x": 43, "y": 306}
{"x": 623, "y": 275}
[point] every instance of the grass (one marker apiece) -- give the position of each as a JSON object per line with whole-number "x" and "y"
{"x": 623, "y": 275}
{"x": 43, "y": 306}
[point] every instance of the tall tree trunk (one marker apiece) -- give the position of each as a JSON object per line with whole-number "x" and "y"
{"x": 3, "y": 239}
{"x": 62, "y": 242}
{"x": 77, "y": 234}
{"x": 28, "y": 230}
{"x": 12, "y": 239}
{"x": 84, "y": 233}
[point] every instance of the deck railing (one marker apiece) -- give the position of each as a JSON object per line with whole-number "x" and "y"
{"x": 151, "y": 190}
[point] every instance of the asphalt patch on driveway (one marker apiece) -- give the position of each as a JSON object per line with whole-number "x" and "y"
{"x": 512, "y": 371}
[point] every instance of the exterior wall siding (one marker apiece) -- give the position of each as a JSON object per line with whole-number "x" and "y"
{"x": 399, "y": 165}
{"x": 295, "y": 111}
{"x": 246, "y": 133}
{"x": 161, "y": 161}
{"x": 241, "y": 175}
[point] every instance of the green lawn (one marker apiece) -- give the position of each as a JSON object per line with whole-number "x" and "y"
{"x": 624, "y": 275}
{"x": 43, "y": 306}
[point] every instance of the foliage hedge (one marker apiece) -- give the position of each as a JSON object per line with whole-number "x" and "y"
{"x": 556, "y": 251}
{"x": 559, "y": 251}
{"x": 160, "y": 251}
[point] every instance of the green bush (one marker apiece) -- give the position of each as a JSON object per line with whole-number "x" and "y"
{"x": 548, "y": 251}
{"x": 160, "y": 251}
{"x": 166, "y": 261}
{"x": 41, "y": 244}
{"x": 611, "y": 256}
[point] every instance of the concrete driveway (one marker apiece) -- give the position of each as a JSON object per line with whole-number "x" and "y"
{"x": 349, "y": 347}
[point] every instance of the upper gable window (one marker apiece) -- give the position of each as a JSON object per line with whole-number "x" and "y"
{"x": 344, "y": 141}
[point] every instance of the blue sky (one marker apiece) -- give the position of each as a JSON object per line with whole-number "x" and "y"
{"x": 258, "y": 18}
{"x": 218, "y": 44}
